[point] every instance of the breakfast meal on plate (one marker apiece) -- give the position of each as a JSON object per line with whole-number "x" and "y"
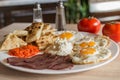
{"x": 40, "y": 46}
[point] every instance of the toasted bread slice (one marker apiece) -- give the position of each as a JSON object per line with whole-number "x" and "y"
{"x": 34, "y": 32}
{"x": 47, "y": 37}
{"x": 12, "y": 41}
{"x": 47, "y": 29}
{"x": 20, "y": 32}
{"x": 45, "y": 40}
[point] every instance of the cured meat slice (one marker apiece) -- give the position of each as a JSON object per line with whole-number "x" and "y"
{"x": 42, "y": 61}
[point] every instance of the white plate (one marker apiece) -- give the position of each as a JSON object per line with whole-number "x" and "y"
{"x": 77, "y": 68}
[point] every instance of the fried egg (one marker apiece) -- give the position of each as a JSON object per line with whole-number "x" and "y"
{"x": 61, "y": 47}
{"x": 89, "y": 50}
{"x": 71, "y": 36}
{"x": 97, "y": 41}
{"x": 86, "y": 42}
{"x": 68, "y": 35}
{"x": 91, "y": 56}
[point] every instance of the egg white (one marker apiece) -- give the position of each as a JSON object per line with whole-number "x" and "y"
{"x": 60, "y": 47}
{"x": 102, "y": 41}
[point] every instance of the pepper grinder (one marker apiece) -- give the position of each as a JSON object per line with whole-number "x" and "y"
{"x": 60, "y": 17}
{"x": 37, "y": 13}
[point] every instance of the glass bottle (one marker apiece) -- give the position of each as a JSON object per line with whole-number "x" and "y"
{"x": 60, "y": 17}
{"x": 37, "y": 13}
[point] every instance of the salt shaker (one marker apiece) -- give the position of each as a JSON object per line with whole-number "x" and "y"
{"x": 60, "y": 17}
{"x": 37, "y": 13}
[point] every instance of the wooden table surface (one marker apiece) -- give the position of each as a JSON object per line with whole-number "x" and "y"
{"x": 110, "y": 71}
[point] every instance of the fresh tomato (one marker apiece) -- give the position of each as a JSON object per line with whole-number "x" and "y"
{"x": 112, "y": 30}
{"x": 90, "y": 24}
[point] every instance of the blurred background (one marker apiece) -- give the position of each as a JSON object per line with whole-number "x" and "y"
{"x": 22, "y": 10}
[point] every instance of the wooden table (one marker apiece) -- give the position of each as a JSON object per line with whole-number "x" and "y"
{"x": 110, "y": 71}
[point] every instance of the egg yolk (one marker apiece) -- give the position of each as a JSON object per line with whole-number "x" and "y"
{"x": 87, "y": 51}
{"x": 87, "y": 44}
{"x": 91, "y": 43}
{"x": 66, "y": 35}
{"x": 84, "y": 44}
